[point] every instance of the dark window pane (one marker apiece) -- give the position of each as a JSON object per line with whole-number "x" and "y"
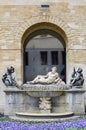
{"x": 43, "y": 57}
{"x": 63, "y": 57}
{"x": 26, "y": 58}
{"x": 54, "y": 57}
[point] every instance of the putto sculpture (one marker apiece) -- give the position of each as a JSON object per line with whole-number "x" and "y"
{"x": 51, "y": 77}
{"x": 77, "y": 78}
{"x": 9, "y": 77}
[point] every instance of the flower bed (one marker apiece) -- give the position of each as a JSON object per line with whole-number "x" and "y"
{"x": 79, "y": 124}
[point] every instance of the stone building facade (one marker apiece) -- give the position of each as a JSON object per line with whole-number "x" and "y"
{"x": 21, "y": 20}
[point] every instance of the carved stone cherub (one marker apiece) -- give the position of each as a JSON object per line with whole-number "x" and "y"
{"x": 77, "y": 78}
{"x": 9, "y": 77}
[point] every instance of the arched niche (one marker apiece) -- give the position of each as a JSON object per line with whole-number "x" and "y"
{"x": 32, "y": 52}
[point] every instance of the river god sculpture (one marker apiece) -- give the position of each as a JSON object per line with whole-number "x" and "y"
{"x": 51, "y": 77}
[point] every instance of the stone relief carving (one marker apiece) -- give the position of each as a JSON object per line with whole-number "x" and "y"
{"x": 9, "y": 77}
{"x": 77, "y": 78}
{"x": 10, "y": 99}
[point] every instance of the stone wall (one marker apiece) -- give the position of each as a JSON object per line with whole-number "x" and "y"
{"x": 38, "y": 2}
{"x": 16, "y": 18}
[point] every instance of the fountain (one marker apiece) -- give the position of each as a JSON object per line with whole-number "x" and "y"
{"x": 46, "y": 97}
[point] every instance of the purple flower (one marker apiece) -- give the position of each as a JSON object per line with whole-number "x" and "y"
{"x": 78, "y": 124}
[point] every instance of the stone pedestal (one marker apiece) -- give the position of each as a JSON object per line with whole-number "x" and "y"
{"x": 75, "y": 99}
{"x": 45, "y": 105}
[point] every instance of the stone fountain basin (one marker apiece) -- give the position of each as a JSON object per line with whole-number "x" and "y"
{"x": 46, "y": 94}
{"x": 47, "y": 91}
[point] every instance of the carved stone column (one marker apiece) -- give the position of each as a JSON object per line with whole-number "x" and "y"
{"x": 45, "y": 105}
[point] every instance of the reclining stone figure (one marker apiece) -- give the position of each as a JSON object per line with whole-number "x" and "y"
{"x": 51, "y": 77}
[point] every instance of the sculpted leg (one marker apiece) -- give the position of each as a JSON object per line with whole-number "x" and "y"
{"x": 38, "y": 79}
